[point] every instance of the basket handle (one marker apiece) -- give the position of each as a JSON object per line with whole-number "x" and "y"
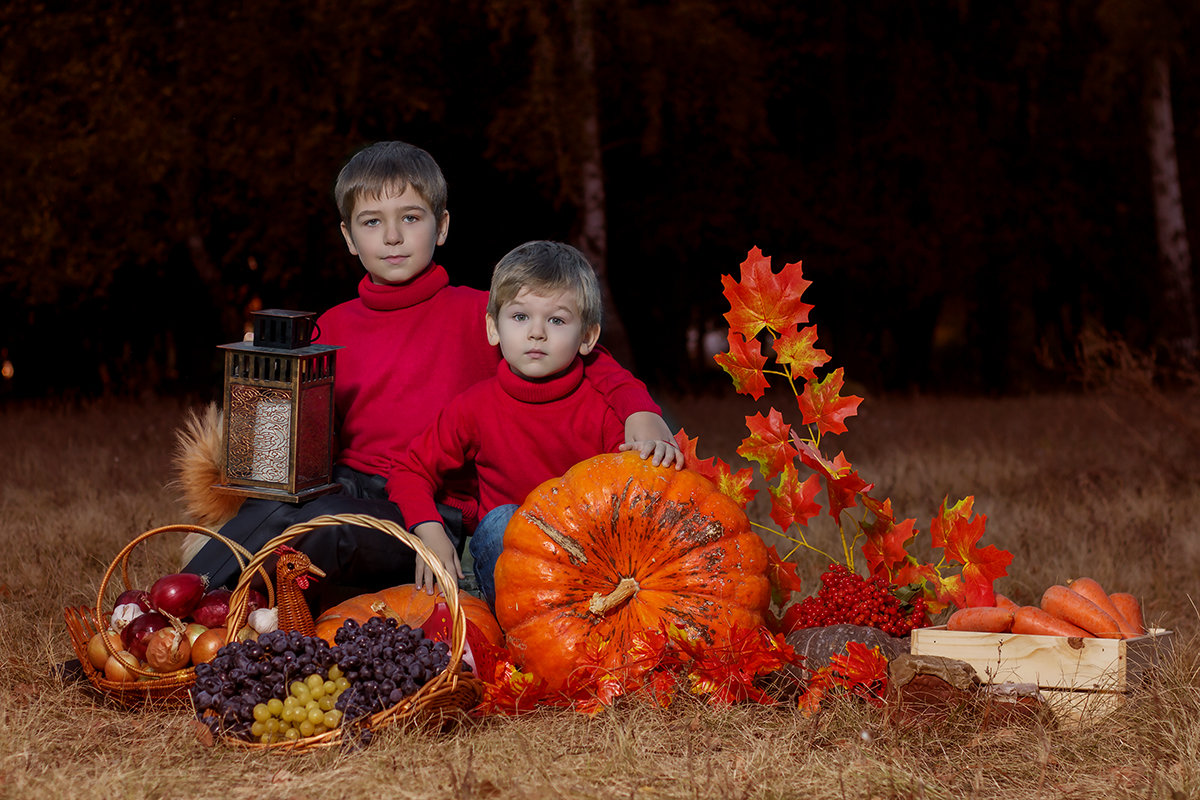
{"x": 122, "y": 560}
{"x": 239, "y": 600}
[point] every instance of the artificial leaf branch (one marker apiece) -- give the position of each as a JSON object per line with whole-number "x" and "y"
{"x": 791, "y": 460}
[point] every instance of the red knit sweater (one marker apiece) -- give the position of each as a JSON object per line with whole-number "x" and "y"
{"x": 408, "y": 349}
{"x": 518, "y": 432}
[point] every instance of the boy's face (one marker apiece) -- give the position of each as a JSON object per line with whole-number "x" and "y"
{"x": 540, "y": 333}
{"x": 394, "y": 235}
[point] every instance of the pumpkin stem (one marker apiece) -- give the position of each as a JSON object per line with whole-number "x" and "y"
{"x": 601, "y": 604}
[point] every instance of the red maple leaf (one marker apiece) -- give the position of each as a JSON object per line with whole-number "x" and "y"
{"x": 734, "y": 485}
{"x": 769, "y": 443}
{"x": 861, "y": 670}
{"x": 796, "y": 347}
{"x": 886, "y": 545}
{"x": 690, "y": 459}
{"x": 763, "y": 299}
{"x": 821, "y": 402}
{"x": 511, "y": 691}
{"x": 783, "y": 577}
{"x": 744, "y": 363}
{"x": 842, "y": 483}
{"x": 793, "y": 502}
{"x": 726, "y": 672}
{"x": 954, "y": 531}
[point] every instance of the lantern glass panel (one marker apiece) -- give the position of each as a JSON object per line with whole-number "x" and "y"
{"x": 260, "y": 432}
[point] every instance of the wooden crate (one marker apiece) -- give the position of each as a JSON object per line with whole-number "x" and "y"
{"x": 1079, "y": 678}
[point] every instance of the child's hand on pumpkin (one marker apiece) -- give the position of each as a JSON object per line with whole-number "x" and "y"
{"x": 660, "y": 452}
{"x": 433, "y": 536}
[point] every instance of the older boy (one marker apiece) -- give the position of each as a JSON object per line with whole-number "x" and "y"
{"x": 532, "y": 421}
{"x": 410, "y": 342}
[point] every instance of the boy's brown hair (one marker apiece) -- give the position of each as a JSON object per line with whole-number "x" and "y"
{"x": 389, "y": 166}
{"x": 547, "y": 266}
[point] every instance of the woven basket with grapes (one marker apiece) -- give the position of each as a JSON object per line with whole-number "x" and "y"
{"x": 290, "y": 690}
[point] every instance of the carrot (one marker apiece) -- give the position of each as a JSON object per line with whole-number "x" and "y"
{"x": 1092, "y": 590}
{"x": 1004, "y": 602}
{"x": 1076, "y": 609}
{"x": 990, "y": 619}
{"x": 1031, "y": 619}
{"x": 1131, "y": 609}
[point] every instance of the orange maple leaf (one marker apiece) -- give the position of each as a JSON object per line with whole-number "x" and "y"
{"x": 734, "y": 485}
{"x": 763, "y": 299}
{"x": 769, "y": 443}
{"x": 796, "y": 347}
{"x": 744, "y": 363}
{"x": 793, "y": 502}
{"x": 821, "y": 402}
{"x": 954, "y": 531}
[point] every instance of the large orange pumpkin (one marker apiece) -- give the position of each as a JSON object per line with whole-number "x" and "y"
{"x": 617, "y": 546}
{"x": 409, "y": 604}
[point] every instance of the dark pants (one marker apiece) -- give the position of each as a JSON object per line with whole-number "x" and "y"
{"x": 355, "y": 559}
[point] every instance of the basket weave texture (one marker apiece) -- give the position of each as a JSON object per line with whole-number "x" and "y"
{"x": 162, "y": 689}
{"x": 438, "y": 704}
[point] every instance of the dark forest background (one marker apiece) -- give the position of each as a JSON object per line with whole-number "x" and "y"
{"x": 967, "y": 183}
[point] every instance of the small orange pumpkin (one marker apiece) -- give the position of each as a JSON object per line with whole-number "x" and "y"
{"x": 618, "y": 546}
{"x": 411, "y": 606}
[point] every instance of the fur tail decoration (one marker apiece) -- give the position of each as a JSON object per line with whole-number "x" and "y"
{"x": 198, "y": 461}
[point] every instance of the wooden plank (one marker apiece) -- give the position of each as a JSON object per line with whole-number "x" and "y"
{"x": 1051, "y": 662}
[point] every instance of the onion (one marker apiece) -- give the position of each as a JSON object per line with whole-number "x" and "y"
{"x": 168, "y": 650}
{"x": 136, "y": 634}
{"x": 205, "y": 648}
{"x": 98, "y": 653}
{"x": 213, "y": 608}
{"x": 177, "y": 594}
{"x": 117, "y": 667}
{"x": 139, "y": 597}
{"x": 255, "y": 600}
{"x": 193, "y": 631}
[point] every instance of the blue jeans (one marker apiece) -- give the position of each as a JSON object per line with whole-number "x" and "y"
{"x": 486, "y": 544}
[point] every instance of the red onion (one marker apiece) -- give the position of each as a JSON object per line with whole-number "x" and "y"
{"x": 139, "y": 597}
{"x": 136, "y": 635}
{"x": 177, "y": 594}
{"x": 213, "y": 608}
{"x": 254, "y": 601}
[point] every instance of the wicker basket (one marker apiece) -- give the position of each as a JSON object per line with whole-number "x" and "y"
{"x": 168, "y": 689}
{"x": 439, "y": 703}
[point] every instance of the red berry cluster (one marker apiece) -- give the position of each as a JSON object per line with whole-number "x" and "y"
{"x": 845, "y": 597}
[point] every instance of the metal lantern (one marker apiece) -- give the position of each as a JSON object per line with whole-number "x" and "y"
{"x": 279, "y": 410}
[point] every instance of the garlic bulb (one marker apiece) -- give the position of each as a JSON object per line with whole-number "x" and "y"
{"x": 123, "y": 615}
{"x": 263, "y": 620}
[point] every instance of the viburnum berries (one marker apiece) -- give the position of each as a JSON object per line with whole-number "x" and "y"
{"x": 845, "y": 597}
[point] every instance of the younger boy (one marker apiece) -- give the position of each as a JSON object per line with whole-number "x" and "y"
{"x": 410, "y": 342}
{"x": 533, "y": 420}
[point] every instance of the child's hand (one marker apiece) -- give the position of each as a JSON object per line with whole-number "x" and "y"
{"x": 648, "y": 433}
{"x": 433, "y": 536}
{"x": 660, "y": 452}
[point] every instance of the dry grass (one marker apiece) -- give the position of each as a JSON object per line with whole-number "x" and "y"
{"x": 1097, "y": 484}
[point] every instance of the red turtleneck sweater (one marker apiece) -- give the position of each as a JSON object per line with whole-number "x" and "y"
{"x": 407, "y": 350}
{"x": 516, "y": 431}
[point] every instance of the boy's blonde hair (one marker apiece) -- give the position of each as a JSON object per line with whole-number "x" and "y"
{"x": 389, "y": 166}
{"x": 547, "y": 266}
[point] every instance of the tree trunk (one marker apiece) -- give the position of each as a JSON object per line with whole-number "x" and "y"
{"x": 592, "y": 233}
{"x": 1179, "y": 319}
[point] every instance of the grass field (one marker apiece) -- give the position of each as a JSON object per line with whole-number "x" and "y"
{"x": 1101, "y": 484}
